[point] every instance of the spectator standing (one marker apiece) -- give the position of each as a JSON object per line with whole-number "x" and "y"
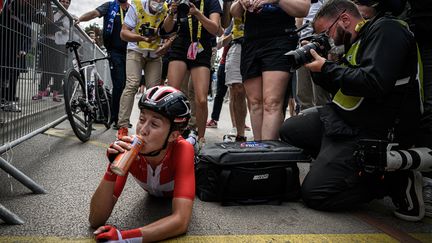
{"x": 197, "y": 24}
{"x": 221, "y": 88}
{"x": 234, "y": 79}
{"x": 268, "y": 35}
{"x": 53, "y": 53}
{"x": 113, "y": 13}
{"x": 16, "y": 36}
{"x": 142, "y": 30}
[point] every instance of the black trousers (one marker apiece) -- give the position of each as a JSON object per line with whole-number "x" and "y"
{"x": 118, "y": 77}
{"x": 221, "y": 90}
{"x": 333, "y": 182}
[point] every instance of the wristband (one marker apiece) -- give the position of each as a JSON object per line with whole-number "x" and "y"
{"x": 133, "y": 233}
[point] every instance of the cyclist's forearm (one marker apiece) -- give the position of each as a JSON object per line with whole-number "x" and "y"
{"x": 89, "y": 16}
{"x": 102, "y": 203}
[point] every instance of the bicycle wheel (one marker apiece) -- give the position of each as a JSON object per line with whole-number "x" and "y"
{"x": 104, "y": 109}
{"x": 79, "y": 115}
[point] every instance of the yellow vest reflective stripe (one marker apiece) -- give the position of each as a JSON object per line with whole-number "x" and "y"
{"x": 153, "y": 22}
{"x": 348, "y": 102}
{"x": 238, "y": 28}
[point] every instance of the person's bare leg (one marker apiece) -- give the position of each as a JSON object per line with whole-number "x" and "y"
{"x": 231, "y": 108}
{"x": 254, "y": 93}
{"x": 176, "y": 73}
{"x": 200, "y": 79}
{"x": 291, "y": 107}
{"x": 274, "y": 88}
{"x": 239, "y": 107}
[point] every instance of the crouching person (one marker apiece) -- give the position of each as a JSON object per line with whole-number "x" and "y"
{"x": 375, "y": 96}
{"x": 164, "y": 167}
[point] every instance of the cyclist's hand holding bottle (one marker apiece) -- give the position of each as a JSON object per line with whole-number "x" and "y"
{"x": 125, "y": 152}
{"x": 119, "y": 146}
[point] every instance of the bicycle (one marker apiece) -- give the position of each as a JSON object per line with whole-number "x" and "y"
{"x": 86, "y": 101}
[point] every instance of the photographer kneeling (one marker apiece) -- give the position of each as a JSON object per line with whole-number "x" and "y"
{"x": 375, "y": 95}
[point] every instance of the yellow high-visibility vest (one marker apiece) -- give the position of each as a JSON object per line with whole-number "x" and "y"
{"x": 238, "y": 28}
{"x": 153, "y": 21}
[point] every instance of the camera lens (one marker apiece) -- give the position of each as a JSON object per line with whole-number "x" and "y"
{"x": 301, "y": 56}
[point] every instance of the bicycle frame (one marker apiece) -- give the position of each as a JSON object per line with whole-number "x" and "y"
{"x": 83, "y": 70}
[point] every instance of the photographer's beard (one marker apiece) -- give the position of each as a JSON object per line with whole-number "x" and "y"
{"x": 343, "y": 38}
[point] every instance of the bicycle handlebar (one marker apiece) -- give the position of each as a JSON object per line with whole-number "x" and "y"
{"x": 96, "y": 59}
{"x": 73, "y": 47}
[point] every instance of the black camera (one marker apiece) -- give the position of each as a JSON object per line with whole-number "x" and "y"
{"x": 183, "y": 10}
{"x": 298, "y": 57}
{"x": 371, "y": 155}
{"x": 377, "y": 156}
{"x": 146, "y": 30}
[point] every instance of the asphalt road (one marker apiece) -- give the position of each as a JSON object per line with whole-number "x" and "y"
{"x": 70, "y": 171}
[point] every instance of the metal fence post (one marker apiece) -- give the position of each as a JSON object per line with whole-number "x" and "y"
{"x": 8, "y": 217}
{"x": 21, "y": 177}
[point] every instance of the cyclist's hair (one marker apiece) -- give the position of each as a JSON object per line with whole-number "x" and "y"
{"x": 169, "y": 102}
{"x": 333, "y": 8}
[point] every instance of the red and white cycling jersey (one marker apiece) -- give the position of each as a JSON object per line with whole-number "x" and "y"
{"x": 174, "y": 177}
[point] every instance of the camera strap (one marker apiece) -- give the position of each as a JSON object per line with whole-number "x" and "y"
{"x": 121, "y": 15}
{"x": 195, "y": 47}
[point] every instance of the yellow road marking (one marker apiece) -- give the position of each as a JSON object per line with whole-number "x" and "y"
{"x": 382, "y": 238}
{"x": 63, "y": 134}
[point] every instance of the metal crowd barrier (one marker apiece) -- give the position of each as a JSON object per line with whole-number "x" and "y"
{"x": 33, "y": 61}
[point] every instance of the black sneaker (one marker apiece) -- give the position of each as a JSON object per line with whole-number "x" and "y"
{"x": 240, "y": 138}
{"x": 409, "y": 203}
{"x": 115, "y": 126}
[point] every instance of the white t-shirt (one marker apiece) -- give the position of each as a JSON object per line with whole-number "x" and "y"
{"x": 131, "y": 20}
{"x": 312, "y": 11}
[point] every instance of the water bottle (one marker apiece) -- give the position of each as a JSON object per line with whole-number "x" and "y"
{"x": 123, "y": 161}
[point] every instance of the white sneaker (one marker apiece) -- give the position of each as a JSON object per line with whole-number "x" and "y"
{"x": 228, "y": 138}
{"x": 193, "y": 139}
{"x": 427, "y": 196}
{"x": 201, "y": 144}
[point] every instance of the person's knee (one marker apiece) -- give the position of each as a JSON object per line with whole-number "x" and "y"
{"x": 238, "y": 90}
{"x": 272, "y": 105}
{"x": 201, "y": 101}
{"x": 311, "y": 198}
{"x": 286, "y": 130}
{"x": 131, "y": 88}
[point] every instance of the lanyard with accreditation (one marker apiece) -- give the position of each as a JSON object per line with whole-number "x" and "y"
{"x": 195, "y": 47}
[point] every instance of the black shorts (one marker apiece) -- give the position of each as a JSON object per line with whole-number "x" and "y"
{"x": 179, "y": 50}
{"x": 266, "y": 54}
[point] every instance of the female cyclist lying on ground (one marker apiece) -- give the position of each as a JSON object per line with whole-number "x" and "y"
{"x": 164, "y": 114}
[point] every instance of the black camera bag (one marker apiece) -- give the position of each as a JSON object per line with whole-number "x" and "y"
{"x": 238, "y": 173}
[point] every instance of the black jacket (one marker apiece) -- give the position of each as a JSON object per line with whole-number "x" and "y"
{"x": 387, "y": 53}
